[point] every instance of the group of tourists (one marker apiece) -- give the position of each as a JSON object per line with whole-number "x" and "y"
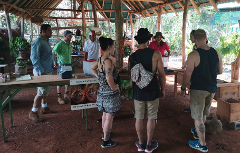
{"x": 202, "y": 66}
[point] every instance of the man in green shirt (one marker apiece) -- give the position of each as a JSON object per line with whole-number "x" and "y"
{"x": 63, "y": 49}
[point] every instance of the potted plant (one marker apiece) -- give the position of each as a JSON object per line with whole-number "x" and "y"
{"x": 77, "y": 45}
{"x": 21, "y": 47}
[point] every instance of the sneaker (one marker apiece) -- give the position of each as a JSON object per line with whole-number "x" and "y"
{"x": 109, "y": 143}
{"x": 67, "y": 96}
{"x": 34, "y": 116}
{"x": 141, "y": 147}
{"x": 60, "y": 100}
{"x": 47, "y": 110}
{"x": 198, "y": 146}
{"x": 154, "y": 146}
{"x": 195, "y": 135}
{"x": 186, "y": 110}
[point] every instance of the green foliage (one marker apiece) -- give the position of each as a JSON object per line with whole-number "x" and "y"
{"x": 124, "y": 84}
{"x": 76, "y": 43}
{"x": 229, "y": 45}
{"x": 127, "y": 51}
{"x": 21, "y": 63}
{"x": 19, "y": 43}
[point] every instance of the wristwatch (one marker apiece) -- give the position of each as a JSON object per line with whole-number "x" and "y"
{"x": 182, "y": 88}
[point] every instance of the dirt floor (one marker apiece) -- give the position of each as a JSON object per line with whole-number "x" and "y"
{"x": 66, "y": 131}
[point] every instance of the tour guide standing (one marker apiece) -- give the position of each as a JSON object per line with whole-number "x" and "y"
{"x": 203, "y": 65}
{"x": 151, "y": 60}
{"x": 92, "y": 47}
{"x": 42, "y": 60}
{"x": 63, "y": 49}
{"x": 159, "y": 44}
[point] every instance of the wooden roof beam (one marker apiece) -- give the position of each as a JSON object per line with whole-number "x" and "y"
{"x": 15, "y": 11}
{"x": 173, "y": 9}
{"x": 214, "y": 5}
{"x": 54, "y": 4}
{"x": 181, "y": 4}
{"x": 145, "y": 8}
{"x": 155, "y": 1}
{"x": 134, "y": 10}
{"x": 151, "y": 6}
{"x": 99, "y": 7}
{"x": 15, "y": 7}
{"x": 195, "y": 6}
{"x": 111, "y": 9}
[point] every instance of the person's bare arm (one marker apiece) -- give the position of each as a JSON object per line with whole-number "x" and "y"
{"x": 94, "y": 68}
{"x": 109, "y": 74}
{"x": 162, "y": 77}
{"x": 220, "y": 64}
{"x": 190, "y": 67}
{"x": 85, "y": 55}
{"x": 168, "y": 52}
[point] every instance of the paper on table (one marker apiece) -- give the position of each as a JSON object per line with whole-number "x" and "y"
{"x": 23, "y": 78}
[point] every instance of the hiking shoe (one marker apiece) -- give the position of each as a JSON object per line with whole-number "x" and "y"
{"x": 195, "y": 135}
{"x": 154, "y": 146}
{"x": 198, "y": 146}
{"x": 34, "y": 116}
{"x": 141, "y": 147}
{"x": 67, "y": 96}
{"x": 186, "y": 110}
{"x": 109, "y": 143}
{"x": 47, "y": 110}
{"x": 60, "y": 100}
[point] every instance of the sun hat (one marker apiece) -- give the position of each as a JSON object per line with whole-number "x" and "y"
{"x": 143, "y": 34}
{"x": 158, "y": 34}
{"x": 67, "y": 32}
{"x": 92, "y": 32}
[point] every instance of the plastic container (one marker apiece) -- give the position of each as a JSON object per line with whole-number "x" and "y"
{"x": 165, "y": 62}
{"x": 87, "y": 67}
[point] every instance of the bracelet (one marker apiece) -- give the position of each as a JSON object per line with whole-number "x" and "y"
{"x": 182, "y": 88}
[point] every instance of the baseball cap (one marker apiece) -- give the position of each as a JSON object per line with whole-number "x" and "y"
{"x": 92, "y": 32}
{"x": 67, "y": 32}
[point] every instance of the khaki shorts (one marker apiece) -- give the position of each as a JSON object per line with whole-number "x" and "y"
{"x": 152, "y": 109}
{"x": 43, "y": 91}
{"x": 200, "y": 103}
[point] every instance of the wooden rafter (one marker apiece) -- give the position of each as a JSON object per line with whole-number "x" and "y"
{"x": 99, "y": 7}
{"x": 13, "y": 6}
{"x": 15, "y": 11}
{"x": 155, "y": 1}
{"x": 152, "y": 6}
{"x": 145, "y": 8}
{"x": 111, "y": 9}
{"x": 139, "y": 9}
{"x": 181, "y": 4}
{"x": 173, "y": 9}
{"x": 195, "y": 6}
{"x": 214, "y": 5}
{"x": 53, "y": 6}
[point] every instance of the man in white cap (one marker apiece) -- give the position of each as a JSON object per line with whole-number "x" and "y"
{"x": 92, "y": 47}
{"x": 63, "y": 49}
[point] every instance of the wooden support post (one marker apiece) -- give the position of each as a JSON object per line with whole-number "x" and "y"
{"x": 119, "y": 32}
{"x": 8, "y": 23}
{"x": 184, "y": 32}
{"x": 235, "y": 66}
{"x": 132, "y": 33}
{"x": 159, "y": 19}
{"x": 109, "y": 27}
{"x": 126, "y": 26}
{"x": 74, "y": 8}
{"x": 57, "y": 31}
{"x": 83, "y": 22}
{"x": 22, "y": 25}
{"x": 94, "y": 13}
{"x": 31, "y": 30}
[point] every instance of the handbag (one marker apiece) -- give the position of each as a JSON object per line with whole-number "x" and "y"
{"x": 139, "y": 75}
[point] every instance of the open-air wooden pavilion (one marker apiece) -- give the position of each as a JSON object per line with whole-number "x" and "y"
{"x": 118, "y": 11}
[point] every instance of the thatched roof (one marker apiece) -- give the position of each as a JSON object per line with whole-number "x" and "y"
{"x": 39, "y": 10}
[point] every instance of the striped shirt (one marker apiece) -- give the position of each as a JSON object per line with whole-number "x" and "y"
{"x": 63, "y": 51}
{"x": 41, "y": 56}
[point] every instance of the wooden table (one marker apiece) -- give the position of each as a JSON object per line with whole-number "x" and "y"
{"x": 37, "y": 81}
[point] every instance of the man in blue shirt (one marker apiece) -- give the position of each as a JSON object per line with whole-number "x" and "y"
{"x": 42, "y": 60}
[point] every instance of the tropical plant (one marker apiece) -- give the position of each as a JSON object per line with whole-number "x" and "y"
{"x": 19, "y": 43}
{"x": 229, "y": 45}
{"x": 76, "y": 43}
{"x": 124, "y": 85}
{"x": 21, "y": 63}
{"x": 127, "y": 51}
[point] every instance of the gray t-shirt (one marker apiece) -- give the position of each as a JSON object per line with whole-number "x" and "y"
{"x": 93, "y": 49}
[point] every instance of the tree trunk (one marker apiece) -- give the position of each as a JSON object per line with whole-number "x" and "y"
{"x": 184, "y": 32}
{"x": 119, "y": 31}
{"x": 94, "y": 13}
{"x": 109, "y": 28}
{"x": 22, "y": 26}
{"x": 83, "y": 22}
{"x": 159, "y": 19}
{"x": 132, "y": 33}
{"x": 235, "y": 66}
